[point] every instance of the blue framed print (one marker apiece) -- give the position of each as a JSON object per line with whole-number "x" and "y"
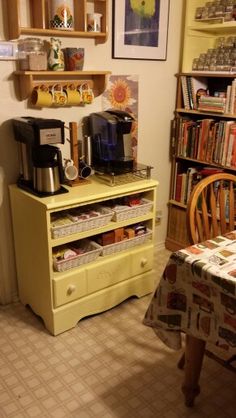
{"x": 140, "y": 29}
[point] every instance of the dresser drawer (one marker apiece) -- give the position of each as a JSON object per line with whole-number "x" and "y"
{"x": 108, "y": 272}
{"x": 142, "y": 260}
{"x": 71, "y": 286}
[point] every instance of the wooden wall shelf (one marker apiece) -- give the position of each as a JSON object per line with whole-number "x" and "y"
{"x": 39, "y": 21}
{"x": 30, "y": 79}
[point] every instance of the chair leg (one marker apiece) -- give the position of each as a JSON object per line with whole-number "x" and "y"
{"x": 181, "y": 362}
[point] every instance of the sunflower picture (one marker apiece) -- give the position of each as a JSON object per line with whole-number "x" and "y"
{"x": 122, "y": 94}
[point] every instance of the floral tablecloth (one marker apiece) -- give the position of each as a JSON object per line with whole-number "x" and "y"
{"x": 197, "y": 295}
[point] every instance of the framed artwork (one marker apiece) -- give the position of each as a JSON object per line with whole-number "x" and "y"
{"x": 140, "y": 29}
{"x": 8, "y": 50}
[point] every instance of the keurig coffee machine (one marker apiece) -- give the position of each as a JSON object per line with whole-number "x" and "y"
{"x": 41, "y": 170}
{"x": 111, "y": 146}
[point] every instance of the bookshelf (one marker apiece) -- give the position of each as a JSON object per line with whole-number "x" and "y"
{"x": 203, "y": 136}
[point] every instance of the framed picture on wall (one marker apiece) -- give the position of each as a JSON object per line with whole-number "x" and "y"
{"x": 140, "y": 29}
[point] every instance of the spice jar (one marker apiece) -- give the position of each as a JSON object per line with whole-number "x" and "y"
{"x": 32, "y": 54}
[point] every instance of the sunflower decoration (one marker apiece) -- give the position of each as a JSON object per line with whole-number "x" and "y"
{"x": 119, "y": 94}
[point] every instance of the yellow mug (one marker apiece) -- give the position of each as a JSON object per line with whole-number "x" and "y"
{"x": 86, "y": 93}
{"x": 73, "y": 95}
{"x": 59, "y": 97}
{"x": 41, "y": 97}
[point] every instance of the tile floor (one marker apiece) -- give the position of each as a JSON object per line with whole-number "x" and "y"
{"x": 109, "y": 366}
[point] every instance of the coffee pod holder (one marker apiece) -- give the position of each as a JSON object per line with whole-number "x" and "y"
{"x": 74, "y": 152}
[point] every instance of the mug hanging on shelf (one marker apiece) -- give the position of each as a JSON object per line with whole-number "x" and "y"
{"x": 59, "y": 97}
{"x": 62, "y": 14}
{"x": 41, "y": 96}
{"x": 86, "y": 93}
{"x": 73, "y": 95}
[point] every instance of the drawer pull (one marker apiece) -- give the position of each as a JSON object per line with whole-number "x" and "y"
{"x": 144, "y": 262}
{"x": 71, "y": 289}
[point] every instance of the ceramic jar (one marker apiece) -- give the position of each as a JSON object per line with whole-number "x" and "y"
{"x": 56, "y": 56}
{"x": 62, "y": 14}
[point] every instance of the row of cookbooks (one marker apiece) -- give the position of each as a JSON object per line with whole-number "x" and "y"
{"x": 185, "y": 181}
{"x": 209, "y": 140}
{"x": 197, "y": 96}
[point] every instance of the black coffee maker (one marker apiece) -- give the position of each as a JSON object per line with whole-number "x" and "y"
{"x": 41, "y": 170}
{"x": 111, "y": 143}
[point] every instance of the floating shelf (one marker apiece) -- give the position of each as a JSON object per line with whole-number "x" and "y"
{"x": 30, "y": 79}
{"x": 39, "y": 21}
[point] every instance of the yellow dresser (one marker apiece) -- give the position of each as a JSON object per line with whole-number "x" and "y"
{"x": 62, "y": 298}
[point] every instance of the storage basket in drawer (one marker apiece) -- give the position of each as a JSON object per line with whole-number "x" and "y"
{"x": 126, "y": 244}
{"x": 127, "y": 212}
{"x": 72, "y": 226}
{"x": 93, "y": 250}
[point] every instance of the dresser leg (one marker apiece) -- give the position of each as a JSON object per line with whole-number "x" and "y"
{"x": 194, "y": 352}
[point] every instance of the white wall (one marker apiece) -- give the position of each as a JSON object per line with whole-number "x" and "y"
{"x": 157, "y": 86}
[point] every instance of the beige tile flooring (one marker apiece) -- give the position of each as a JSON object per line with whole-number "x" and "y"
{"x": 109, "y": 366}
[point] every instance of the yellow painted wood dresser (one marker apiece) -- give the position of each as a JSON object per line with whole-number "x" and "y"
{"x": 62, "y": 293}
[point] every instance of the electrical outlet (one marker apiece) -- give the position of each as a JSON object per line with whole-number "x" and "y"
{"x": 158, "y": 217}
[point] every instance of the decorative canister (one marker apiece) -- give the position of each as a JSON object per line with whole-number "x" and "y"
{"x": 62, "y": 14}
{"x": 56, "y": 56}
{"x": 32, "y": 54}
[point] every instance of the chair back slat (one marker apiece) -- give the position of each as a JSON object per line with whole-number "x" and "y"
{"x": 222, "y": 205}
{"x": 212, "y": 207}
{"x": 205, "y": 220}
{"x": 231, "y": 206}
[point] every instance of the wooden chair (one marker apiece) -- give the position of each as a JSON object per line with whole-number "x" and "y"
{"x": 211, "y": 211}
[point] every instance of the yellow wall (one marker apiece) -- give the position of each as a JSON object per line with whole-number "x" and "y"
{"x": 156, "y": 104}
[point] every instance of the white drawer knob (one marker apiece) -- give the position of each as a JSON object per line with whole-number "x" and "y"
{"x": 71, "y": 289}
{"x": 143, "y": 262}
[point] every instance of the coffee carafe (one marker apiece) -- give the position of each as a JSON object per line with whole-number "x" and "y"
{"x": 47, "y": 169}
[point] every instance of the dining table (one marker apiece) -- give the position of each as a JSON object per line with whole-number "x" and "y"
{"x": 194, "y": 303}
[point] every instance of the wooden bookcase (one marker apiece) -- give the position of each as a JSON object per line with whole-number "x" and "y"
{"x": 199, "y": 36}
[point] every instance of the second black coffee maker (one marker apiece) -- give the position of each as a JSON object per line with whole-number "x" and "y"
{"x": 41, "y": 170}
{"x": 111, "y": 142}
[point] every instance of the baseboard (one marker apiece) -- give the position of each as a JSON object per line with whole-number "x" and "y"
{"x": 159, "y": 246}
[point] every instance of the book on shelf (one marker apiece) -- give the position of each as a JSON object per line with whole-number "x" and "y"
{"x": 192, "y": 87}
{"x": 225, "y": 142}
{"x": 230, "y": 160}
{"x": 232, "y": 103}
{"x": 187, "y": 180}
{"x": 212, "y": 104}
{"x": 199, "y": 86}
{"x": 185, "y": 92}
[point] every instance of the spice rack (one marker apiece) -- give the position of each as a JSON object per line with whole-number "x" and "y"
{"x": 28, "y": 80}
{"x": 39, "y": 19}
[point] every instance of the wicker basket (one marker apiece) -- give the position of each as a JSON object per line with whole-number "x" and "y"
{"x": 83, "y": 225}
{"x": 93, "y": 251}
{"x": 126, "y": 244}
{"x": 132, "y": 211}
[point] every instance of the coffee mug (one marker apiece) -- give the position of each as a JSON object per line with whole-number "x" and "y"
{"x": 86, "y": 93}
{"x": 84, "y": 170}
{"x": 73, "y": 95}
{"x": 41, "y": 96}
{"x": 59, "y": 97}
{"x": 70, "y": 171}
